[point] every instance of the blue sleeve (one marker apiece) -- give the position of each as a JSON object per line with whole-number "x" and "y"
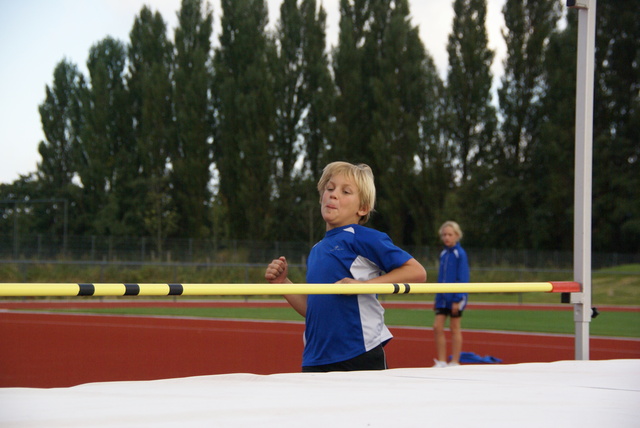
{"x": 463, "y": 268}
{"x": 379, "y": 248}
{"x": 462, "y": 273}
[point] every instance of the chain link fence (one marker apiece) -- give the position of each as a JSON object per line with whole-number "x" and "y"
{"x": 145, "y": 250}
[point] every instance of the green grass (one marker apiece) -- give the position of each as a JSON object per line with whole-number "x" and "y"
{"x": 614, "y": 324}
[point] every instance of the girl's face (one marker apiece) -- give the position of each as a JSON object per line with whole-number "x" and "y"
{"x": 340, "y": 202}
{"x": 448, "y": 236}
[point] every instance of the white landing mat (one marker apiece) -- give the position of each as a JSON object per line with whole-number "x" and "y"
{"x": 560, "y": 394}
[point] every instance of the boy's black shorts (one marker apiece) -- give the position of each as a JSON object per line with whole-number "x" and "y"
{"x": 374, "y": 359}
{"x": 447, "y": 312}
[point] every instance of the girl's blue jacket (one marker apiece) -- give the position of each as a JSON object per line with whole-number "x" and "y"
{"x": 454, "y": 267}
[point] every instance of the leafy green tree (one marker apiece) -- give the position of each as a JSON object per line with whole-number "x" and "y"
{"x": 382, "y": 73}
{"x": 131, "y": 149}
{"x": 190, "y": 153}
{"x": 616, "y": 133}
{"x": 353, "y": 121}
{"x": 150, "y": 85}
{"x": 470, "y": 120}
{"x": 317, "y": 129}
{"x": 21, "y": 215}
{"x": 471, "y": 116}
{"x": 106, "y": 155}
{"x": 291, "y": 100}
{"x": 245, "y": 114}
{"x": 398, "y": 105}
{"x": 434, "y": 176}
{"x": 529, "y": 25}
{"x": 61, "y": 117}
{"x": 303, "y": 91}
{"x": 552, "y": 152}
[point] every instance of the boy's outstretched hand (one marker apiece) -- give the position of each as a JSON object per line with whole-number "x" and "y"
{"x": 277, "y": 271}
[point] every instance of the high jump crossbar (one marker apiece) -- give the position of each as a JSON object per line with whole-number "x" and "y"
{"x": 169, "y": 289}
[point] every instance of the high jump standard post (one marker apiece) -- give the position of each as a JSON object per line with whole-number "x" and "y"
{"x": 583, "y": 173}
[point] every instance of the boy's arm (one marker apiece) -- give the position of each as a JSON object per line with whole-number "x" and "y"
{"x": 298, "y": 302}
{"x": 410, "y": 272}
{"x": 277, "y": 273}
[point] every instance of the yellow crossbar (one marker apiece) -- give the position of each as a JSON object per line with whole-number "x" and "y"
{"x": 124, "y": 289}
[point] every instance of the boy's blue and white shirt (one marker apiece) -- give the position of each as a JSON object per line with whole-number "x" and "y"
{"x": 341, "y": 327}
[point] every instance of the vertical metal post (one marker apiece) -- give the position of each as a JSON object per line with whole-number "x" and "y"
{"x": 65, "y": 232}
{"x": 15, "y": 230}
{"x": 583, "y": 173}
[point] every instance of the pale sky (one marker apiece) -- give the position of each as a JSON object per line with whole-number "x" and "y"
{"x": 35, "y": 35}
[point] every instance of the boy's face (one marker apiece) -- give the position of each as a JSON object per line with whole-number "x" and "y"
{"x": 449, "y": 237}
{"x": 340, "y": 202}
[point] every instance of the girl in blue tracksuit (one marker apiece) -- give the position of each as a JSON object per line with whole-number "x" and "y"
{"x": 454, "y": 267}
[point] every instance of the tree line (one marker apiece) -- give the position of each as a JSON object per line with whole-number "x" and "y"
{"x": 182, "y": 138}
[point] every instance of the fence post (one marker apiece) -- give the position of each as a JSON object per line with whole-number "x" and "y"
{"x": 102, "y": 265}
{"x": 15, "y": 231}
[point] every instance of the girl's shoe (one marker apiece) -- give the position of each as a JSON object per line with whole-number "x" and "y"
{"x": 438, "y": 363}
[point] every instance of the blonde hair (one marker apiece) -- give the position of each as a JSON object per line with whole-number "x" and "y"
{"x": 452, "y": 224}
{"x": 362, "y": 176}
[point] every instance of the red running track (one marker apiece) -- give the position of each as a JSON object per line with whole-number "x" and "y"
{"x": 60, "y": 350}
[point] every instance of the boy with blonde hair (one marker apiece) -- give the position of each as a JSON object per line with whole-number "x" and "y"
{"x": 347, "y": 332}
